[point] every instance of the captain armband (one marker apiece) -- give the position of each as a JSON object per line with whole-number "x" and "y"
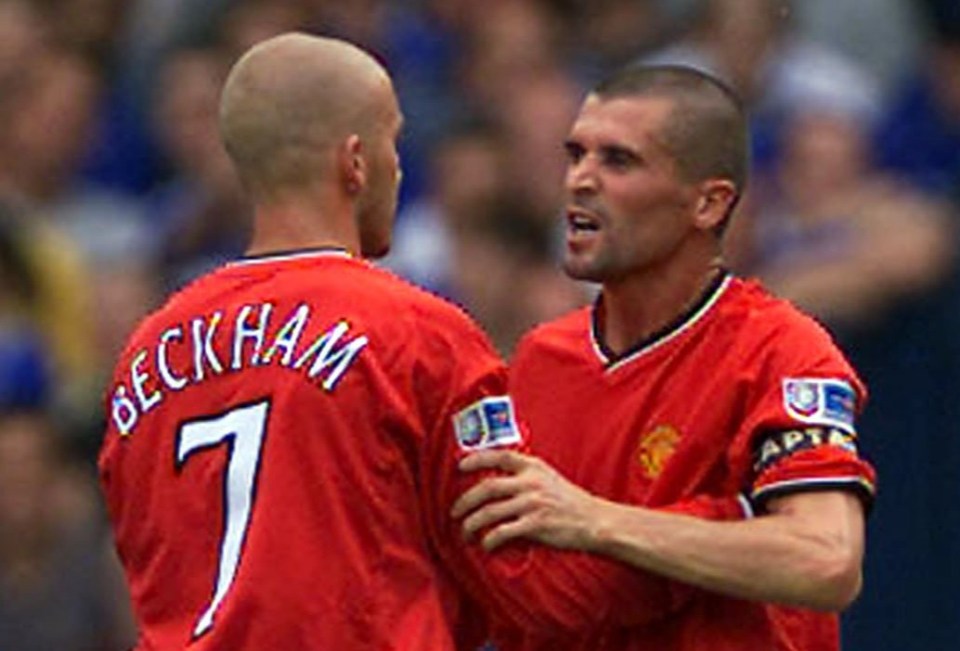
{"x": 778, "y": 445}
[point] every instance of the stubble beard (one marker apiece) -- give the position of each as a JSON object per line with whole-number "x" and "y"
{"x": 588, "y": 270}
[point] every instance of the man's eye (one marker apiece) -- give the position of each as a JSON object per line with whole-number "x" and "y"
{"x": 617, "y": 158}
{"x": 574, "y": 152}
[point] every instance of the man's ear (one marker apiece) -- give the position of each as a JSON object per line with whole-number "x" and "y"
{"x": 353, "y": 165}
{"x": 716, "y": 200}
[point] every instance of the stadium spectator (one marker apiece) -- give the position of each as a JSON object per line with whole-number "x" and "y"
{"x": 473, "y": 239}
{"x": 755, "y": 47}
{"x": 834, "y": 234}
{"x": 47, "y": 319}
{"x": 882, "y": 36}
{"x": 69, "y": 224}
{"x": 58, "y": 579}
{"x": 535, "y": 115}
{"x": 199, "y": 214}
{"x": 919, "y": 137}
{"x": 467, "y": 179}
{"x": 606, "y": 34}
{"x": 49, "y": 130}
{"x": 25, "y": 365}
{"x": 911, "y": 359}
{"x": 23, "y": 35}
{"x": 89, "y": 27}
{"x": 248, "y": 22}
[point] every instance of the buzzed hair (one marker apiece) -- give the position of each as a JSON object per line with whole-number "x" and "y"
{"x": 288, "y": 100}
{"x": 706, "y": 133}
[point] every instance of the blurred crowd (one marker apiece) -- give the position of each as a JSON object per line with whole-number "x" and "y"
{"x": 114, "y": 192}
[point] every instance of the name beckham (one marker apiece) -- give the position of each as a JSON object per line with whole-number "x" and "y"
{"x": 322, "y": 360}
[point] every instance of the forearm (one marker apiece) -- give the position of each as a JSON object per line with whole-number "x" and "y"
{"x": 783, "y": 557}
{"x": 546, "y": 588}
{"x": 591, "y": 591}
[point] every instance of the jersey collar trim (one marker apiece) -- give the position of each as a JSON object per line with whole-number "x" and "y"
{"x": 671, "y": 331}
{"x": 300, "y": 254}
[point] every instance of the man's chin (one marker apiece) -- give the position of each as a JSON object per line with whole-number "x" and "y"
{"x": 374, "y": 252}
{"x": 375, "y": 243}
{"x": 578, "y": 270}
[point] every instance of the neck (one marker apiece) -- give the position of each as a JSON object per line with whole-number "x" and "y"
{"x": 295, "y": 223}
{"x": 644, "y": 303}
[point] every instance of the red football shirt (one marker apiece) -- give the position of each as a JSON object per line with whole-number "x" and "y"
{"x": 743, "y": 394}
{"x": 280, "y": 435}
{"x": 280, "y": 462}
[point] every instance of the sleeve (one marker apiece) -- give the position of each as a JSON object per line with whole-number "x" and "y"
{"x": 800, "y": 433}
{"x": 534, "y": 587}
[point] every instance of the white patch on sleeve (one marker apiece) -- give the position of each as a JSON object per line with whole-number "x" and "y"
{"x": 819, "y": 401}
{"x": 487, "y": 423}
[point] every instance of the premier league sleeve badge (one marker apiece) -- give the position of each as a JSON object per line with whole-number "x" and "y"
{"x": 487, "y": 423}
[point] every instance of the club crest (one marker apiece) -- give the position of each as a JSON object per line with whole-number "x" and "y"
{"x": 655, "y": 449}
{"x": 802, "y": 396}
{"x": 820, "y": 401}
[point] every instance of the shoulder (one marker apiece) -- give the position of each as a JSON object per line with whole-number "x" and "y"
{"x": 773, "y": 322}
{"x": 431, "y": 312}
{"x": 777, "y": 339}
{"x": 426, "y": 324}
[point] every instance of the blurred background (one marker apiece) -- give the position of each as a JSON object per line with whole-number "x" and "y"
{"x": 114, "y": 191}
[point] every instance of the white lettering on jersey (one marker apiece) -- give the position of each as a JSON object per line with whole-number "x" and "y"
{"x": 123, "y": 411}
{"x": 288, "y": 336}
{"x": 203, "y": 346}
{"x": 241, "y": 331}
{"x": 139, "y": 379}
{"x": 324, "y": 361}
{"x": 325, "y": 356}
{"x": 172, "y": 381}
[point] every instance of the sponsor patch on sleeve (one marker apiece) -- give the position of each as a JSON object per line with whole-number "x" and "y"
{"x": 819, "y": 401}
{"x": 487, "y": 423}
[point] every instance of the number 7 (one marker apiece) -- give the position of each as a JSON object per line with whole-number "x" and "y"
{"x": 242, "y": 429}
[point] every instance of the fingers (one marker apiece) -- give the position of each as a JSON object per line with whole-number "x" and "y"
{"x": 498, "y": 504}
{"x": 505, "y": 533}
{"x": 493, "y": 488}
{"x": 491, "y": 514}
{"x": 505, "y": 460}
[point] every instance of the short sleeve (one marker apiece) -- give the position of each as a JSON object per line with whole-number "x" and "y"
{"x": 530, "y": 586}
{"x": 800, "y": 432}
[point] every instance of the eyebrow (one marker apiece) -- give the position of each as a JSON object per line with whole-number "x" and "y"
{"x": 619, "y": 148}
{"x": 606, "y": 148}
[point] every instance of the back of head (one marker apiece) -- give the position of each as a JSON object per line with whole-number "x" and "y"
{"x": 289, "y": 101}
{"x": 706, "y": 133}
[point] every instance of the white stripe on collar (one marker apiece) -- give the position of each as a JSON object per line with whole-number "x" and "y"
{"x": 653, "y": 345}
{"x": 294, "y": 255}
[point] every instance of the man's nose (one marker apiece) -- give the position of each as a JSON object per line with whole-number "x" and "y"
{"x": 581, "y": 176}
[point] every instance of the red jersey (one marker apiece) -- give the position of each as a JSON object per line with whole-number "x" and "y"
{"x": 280, "y": 435}
{"x": 743, "y": 394}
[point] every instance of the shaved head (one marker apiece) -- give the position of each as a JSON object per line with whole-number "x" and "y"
{"x": 290, "y": 100}
{"x": 707, "y": 131}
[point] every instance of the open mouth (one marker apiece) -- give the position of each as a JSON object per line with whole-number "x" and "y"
{"x": 580, "y": 221}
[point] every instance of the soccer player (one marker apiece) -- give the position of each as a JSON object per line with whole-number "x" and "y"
{"x": 279, "y": 429}
{"x": 281, "y": 454}
{"x": 680, "y": 380}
